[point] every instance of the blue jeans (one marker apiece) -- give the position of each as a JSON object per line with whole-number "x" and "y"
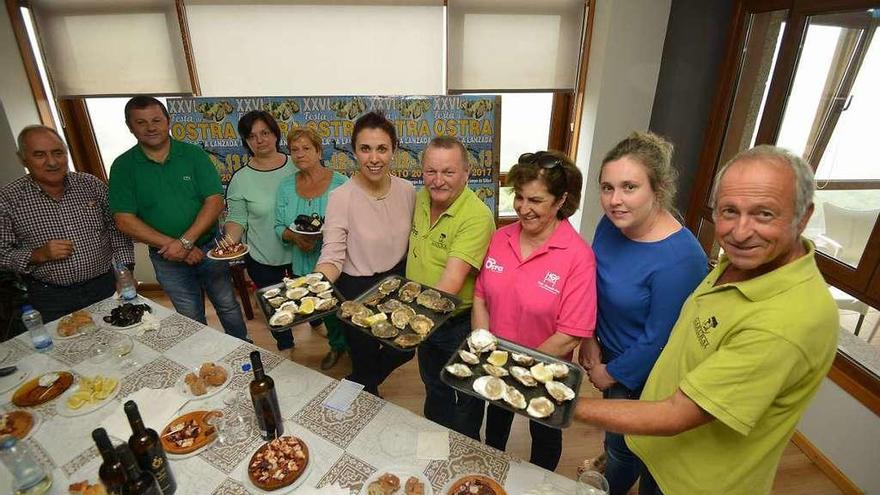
{"x": 186, "y": 286}
{"x": 443, "y": 405}
{"x": 623, "y": 467}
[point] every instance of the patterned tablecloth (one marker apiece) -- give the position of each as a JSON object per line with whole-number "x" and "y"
{"x": 346, "y": 448}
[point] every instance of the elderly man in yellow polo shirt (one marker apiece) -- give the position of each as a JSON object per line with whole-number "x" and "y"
{"x": 450, "y": 233}
{"x": 750, "y": 347}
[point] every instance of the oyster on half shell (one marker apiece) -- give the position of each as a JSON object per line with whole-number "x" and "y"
{"x": 409, "y": 291}
{"x": 540, "y": 407}
{"x": 490, "y": 387}
{"x": 276, "y": 302}
{"x": 389, "y": 306}
{"x": 269, "y": 294}
{"x": 468, "y": 357}
{"x": 421, "y": 324}
{"x": 482, "y": 340}
{"x": 496, "y": 371}
{"x": 319, "y": 287}
{"x": 291, "y": 283}
{"x": 514, "y": 397}
{"x": 523, "y": 376}
{"x": 281, "y": 318}
{"x": 428, "y": 298}
{"x": 289, "y": 305}
{"x": 384, "y": 330}
{"x": 296, "y": 293}
{"x": 523, "y": 359}
{"x": 313, "y": 278}
{"x": 389, "y": 285}
{"x": 443, "y": 305}
{"x": 325, "y": 304}
{"x": 373, "y": 299}
{"x": 408, "y": 340}
{"x": 400, "y": 317}
{"x": 459, "y": 370}
{"x": 348, "y": 308}
{"x": 559, "y": 391}
{"x": 559, "y": 370}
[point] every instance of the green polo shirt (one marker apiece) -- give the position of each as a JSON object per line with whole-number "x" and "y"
{"x": 463, "y": 231}
{"x": 752, "y": 354}
{"x": 166, "y": 196}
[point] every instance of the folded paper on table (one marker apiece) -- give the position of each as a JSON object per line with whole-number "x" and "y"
{"x": 157, "y": 406}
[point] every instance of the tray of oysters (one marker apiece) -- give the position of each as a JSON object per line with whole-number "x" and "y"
{"x": 516, "y": 378}
{"x": 399, "y": 312}
{"x": 298, "y": 300}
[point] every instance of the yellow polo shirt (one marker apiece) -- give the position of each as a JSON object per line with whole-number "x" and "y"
{"x": 463, "y": 231}
{"x": 752, "y": 354}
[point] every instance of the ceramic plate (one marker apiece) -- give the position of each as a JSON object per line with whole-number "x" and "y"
{"x": 183, "y": 389}
{"x": 210, "y": 254}
{"x": 403, "y": 473}
{"x": 63, "y": 410}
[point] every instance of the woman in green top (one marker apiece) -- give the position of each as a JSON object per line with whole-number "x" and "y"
{"x": 250, "y": 200}
{"x": 306, "y": 193}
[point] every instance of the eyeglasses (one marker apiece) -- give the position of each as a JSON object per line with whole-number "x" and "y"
{"x": 541, "y": 158}
{"x": 263, "y": 134}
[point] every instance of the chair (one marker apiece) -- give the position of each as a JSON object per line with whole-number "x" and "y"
{"x": 847, "y": 231}
{"x": 846, "y": 235}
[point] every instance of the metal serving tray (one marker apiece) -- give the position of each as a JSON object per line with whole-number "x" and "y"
{"x": 439, "y": 318}
{"x": 268, "y": 310}
{"x": 562, "y": 415}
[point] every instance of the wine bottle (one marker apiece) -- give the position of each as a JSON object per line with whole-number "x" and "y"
{"x": 138, "y": 481}
{"x": 111, "y": 472}
{"x": 265, "y": 401}
{"x": 147, "y": 449}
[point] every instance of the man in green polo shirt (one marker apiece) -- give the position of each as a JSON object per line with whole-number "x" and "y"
{"x": 749, "y": 350}
{"x": 450, "y": 233}
{"x": 167, "y": 194}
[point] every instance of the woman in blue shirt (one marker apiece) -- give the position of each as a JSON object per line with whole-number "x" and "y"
{"x": 647, "y": 264}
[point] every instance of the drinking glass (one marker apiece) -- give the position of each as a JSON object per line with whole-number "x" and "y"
{"x": 99, "y": 352}
{"x": 234, "y": 426}
{"x": 121, "y": 345}
{"x": 592, "y": 483}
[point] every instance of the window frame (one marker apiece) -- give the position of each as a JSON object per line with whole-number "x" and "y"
{"x": 862, "y": 281}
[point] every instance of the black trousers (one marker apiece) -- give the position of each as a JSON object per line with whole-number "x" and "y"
{"x": 265, "y": 275}
{"x": 371, "y": 360}
{"x": 546, "y": 441}
{"x": 55, "y": 301}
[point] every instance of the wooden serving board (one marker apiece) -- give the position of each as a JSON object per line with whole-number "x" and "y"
{"x": 207, "y": 433}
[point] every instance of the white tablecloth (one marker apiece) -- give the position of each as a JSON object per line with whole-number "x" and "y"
{"x": 346, "y": 448}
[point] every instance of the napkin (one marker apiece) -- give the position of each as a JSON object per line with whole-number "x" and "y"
{"x": 148, "y": 323}
{"x": 326, "y": 490}
{"x": 433, "y": 445}
{"x": 157, "y": 406}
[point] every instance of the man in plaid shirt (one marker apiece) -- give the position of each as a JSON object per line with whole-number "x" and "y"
{"x": 56, "y": 229}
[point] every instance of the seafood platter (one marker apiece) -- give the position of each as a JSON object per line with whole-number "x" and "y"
{"x": 516, "y": 378}
{"x": 399, "y": 312}
{"x": 298, "y": 300}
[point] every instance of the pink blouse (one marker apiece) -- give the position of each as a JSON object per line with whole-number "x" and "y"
{"x": 364, "y": 235}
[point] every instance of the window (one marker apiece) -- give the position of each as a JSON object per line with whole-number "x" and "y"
{"x": 806, "y": 78}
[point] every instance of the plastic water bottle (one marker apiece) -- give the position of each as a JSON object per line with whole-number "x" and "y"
{"x": 29, "y": 478}
{"x": 34, "y": 322}
{"x": 126, "y": 282}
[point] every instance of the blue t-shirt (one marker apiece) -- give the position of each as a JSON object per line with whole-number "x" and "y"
{"x": 641, "y": 287}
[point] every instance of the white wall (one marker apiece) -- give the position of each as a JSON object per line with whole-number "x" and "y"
{"x": 17, "y": 107}
{"x": 624, "y": 64}
{"x": 847, "y": 433}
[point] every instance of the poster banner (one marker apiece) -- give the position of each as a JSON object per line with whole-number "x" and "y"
{"x": 212, "y": 123}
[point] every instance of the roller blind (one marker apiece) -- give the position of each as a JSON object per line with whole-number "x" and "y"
{"x": 334, "y": 48}
{"x": 112, "y": 47}
{"x": 514, "y": 44}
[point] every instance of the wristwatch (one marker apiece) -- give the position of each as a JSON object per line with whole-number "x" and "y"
{"x": 187, "y": 244}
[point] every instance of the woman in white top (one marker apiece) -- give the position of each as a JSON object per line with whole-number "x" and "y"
{"x": 366, "y": 233}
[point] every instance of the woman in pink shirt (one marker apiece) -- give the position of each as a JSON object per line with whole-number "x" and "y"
{"x": 537, "y": 286}
{"x": 366, "y": 234}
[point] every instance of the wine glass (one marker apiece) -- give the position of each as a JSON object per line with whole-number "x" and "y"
{"x": 121, "y": 345}
{"x": 99, "y": 351}
{"x": 233, "y": 426}
{"x": 592, "y": 483}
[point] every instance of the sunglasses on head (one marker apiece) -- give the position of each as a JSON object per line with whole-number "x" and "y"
{"x": 541, "y": 158}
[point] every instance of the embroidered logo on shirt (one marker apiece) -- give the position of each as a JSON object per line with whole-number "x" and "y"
{"x": 440, "y": 243}
{"x": 493, "y": 265}
{"x": 702, "y": 328}
{"x": 549, "y": 282}
{"x": 186, "y": 177}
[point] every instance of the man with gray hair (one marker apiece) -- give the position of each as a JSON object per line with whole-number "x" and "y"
{"x": 56, "y": 229}
{"x": 750, "y": 347}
